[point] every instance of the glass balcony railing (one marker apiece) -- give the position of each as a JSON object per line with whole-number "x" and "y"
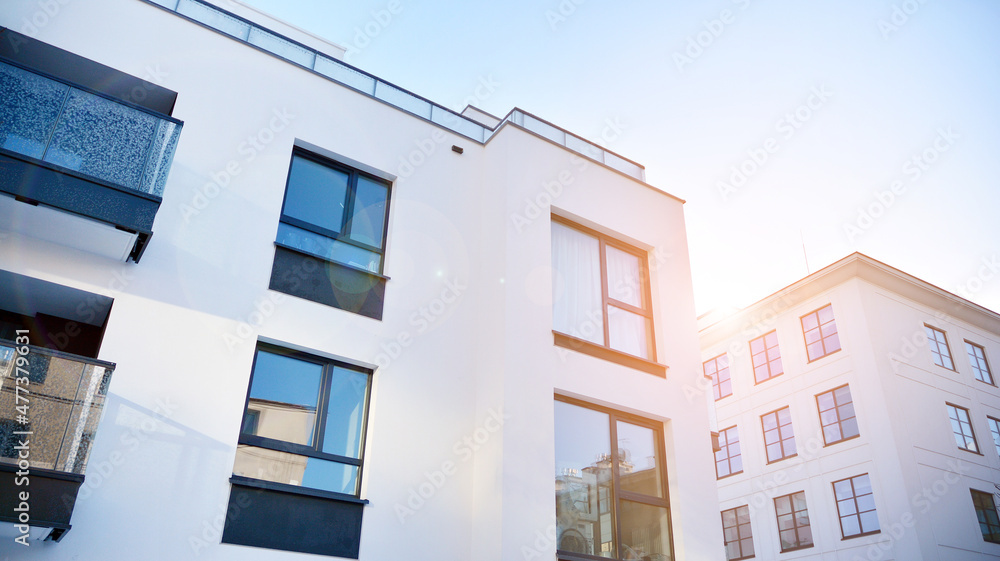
{"x": 58, "y": 405}
{"x": 58, "y": 123}
{"x": 334, "y": 69}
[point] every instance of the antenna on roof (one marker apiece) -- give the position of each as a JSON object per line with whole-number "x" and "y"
{"x": 804, "y": 254}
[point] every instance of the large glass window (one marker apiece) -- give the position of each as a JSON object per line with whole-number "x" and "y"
{"x": 794, "y": 529}
{"x": 986, "y": 513}
{"x": 304, "y": 423}
{"x": 717, "y": 370}
{"x": 611, "y": 484}
{"x": 856, "y": 506}
{"x": 600, "y": 292}
{"x": 977, "y": 358}
{"x": 961, "y": 427}
{"x": 766, "y": 357}
{"x": 779, "y": 438}
{"x": 994, "y": 432}
{"x": 820, "y": 331}
{"x": 836, "y": 414}
{"x": 729, "y": 458}
{"x": 737, "y": 533}
{"x": 938, "y": 343}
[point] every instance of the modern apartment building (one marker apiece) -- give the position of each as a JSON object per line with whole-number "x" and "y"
{"x": 367, "y": 326}
{"x": 858, "y": 418}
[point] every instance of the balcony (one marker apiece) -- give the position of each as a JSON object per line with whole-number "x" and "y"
{"x": 87, "y": 158}
{"x": 48, "y": 419}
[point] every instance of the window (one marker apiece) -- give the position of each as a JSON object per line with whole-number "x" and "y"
{"x": 600, "y": 295}
{"x": 737, "y": 532}
{"x": 995, "y": 432}
{"x": 856, "y": 506}
{"x": 766, "y": 358}
{"x": 977, "y": 358}
{"x": 301, "y": 449}
{"x": 728, "y": 460}
{"x": 836, "y": 414}
{"x": 986, "y": 512}
{"x": 717, "y": 370}
{"x": 793, "y": 521}
{"x": 331, "y": 235}
{"x": 779, "y": 440}
{"x": 611, "y": 484}
{"x": 938, "y": 343}
{"x": 962, "y": 428}
{"x": 820, "y": 331}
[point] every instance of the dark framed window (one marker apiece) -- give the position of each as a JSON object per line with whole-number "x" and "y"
{"x": 938, "y": 343}
{"x": 611, "y": 485}
{"x": 994, "y": 432}
{"x": 304, "y": 422}
{"x": 779, "y": 438}
{"x": 961, "y": 427}
{"x": 820, "y": 331}
{"x": 717, "y": 370}
{"x": 600, "y": 295}
{"x": 836, "y": 415}
{"x": 856, "y": 506}
{"x": 794, "y": 530}
{"x": 977, "y": 358}
{"x": 986, "y": 513}
{"x": 766, "y": 357}
{"x": 729, "y": 458}
{"x": 331, "y": 235}
{"x": 737, "y": 533}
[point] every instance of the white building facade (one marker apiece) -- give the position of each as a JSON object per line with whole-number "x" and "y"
{"x": 857, "y": 412}
{"x": 366, "y": 326}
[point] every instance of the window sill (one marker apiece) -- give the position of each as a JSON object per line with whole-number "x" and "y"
{"x": 294, "y": 489}
{"x": 875, "y": 533}
{"x": 799, "y": 548}
{"x": 810, "y": 361}
{"x": 841, "y": 440}
{"x": 610, "y": 355}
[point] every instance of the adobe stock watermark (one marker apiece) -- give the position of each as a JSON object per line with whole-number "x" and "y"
{"x": 986, "y": 272}
{"x": 539, "y": 205}
{"x": 899, "y": 16}
{"x": 249, "y": 149}
{"x": 564, "y": 10}
{"x": 464, "y": 450}
{"x": 787, "y": 127}
{"x": 365, "y": 34}
{"x": 543, "y": 545}
{"x": 421, "y": 320}
{"x": 705, "y": 38}
{"x": 914, "y": 168}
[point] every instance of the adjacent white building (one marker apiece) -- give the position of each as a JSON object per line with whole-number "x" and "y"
{"x": 268, "y": 305}
{"x": 858, "y": 418}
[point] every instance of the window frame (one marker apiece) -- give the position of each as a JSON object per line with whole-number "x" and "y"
{"x": 840, "y": 422}
{"x": 619, "y": 495}
{"x": 739, "y": 536}
{"x": 729, "y": 457}
{"x": 768, "y": 362}
{"x": 795, "y": 526}
{"x": 717, "y": 380}
{"x": 781, "y": 439}
{"x": 857, "y": 511}
{"x": 947, "y": 347}
{"x": 319, "y": 424}
{"x": 822, "y": 340}
{"x": 972, "y": 429}
{"x": 994, "y": 425}
{"x": 976, "y": 370}
{"x": 605, "y": 350}
{"x": 346, "y": 221}
{"x": 978, "y": 495}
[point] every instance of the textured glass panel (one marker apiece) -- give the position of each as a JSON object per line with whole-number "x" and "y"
{"x": 628, "y": 332}
{"x": 637, "y": 450}
{"x": 581, "y": 146}
{"x": 161, "y": 157}
{"x": 623, "y": 165}
{"x": 345, "y": 75}
{"x": 458, "y": 124}
{"x": 328, "y": 248}
{"x": 214, "y": 18}
{"x": 368, "y": 220}
{"x": 281, "y": 47}
{"x": 293, "y": 469}
{"x": 403, "y": 100}
{"x": 101, "y": 138}
{"x": 345, "y": 418}
{"x": 316, "y": 194}
{"x": 29, "y": 105}
{"x": 285, "y": 392}
{"x": 544, "y": 129}
{"x": 624, "y": 276}
{"x": 645, "y": 531}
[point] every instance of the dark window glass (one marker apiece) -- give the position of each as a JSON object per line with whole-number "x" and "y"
{"x": 986, "y": 512}
{"x": 316, "y": 194}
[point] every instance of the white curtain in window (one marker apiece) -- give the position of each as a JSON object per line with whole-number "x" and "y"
{"x": 624, "y": 282}
{"x": 576, "y": 284}
{"x": 628, "y": 332}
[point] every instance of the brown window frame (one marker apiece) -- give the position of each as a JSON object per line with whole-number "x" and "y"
{"x": 947, "y": 347}
{"x": 857, "y": 510}
{"x": 972, "y": 430}
{"x": 981, "y": 496}
{"x": 819, "y": 327}
{"x": 768, "y": 361}
{"x": 974, "y": 360}
{"x": 781, "y": 437}
{"x": 840, "y": 422}
{"x": 729, "y": 457}
{"x": 994, "y": 434}
{"x": 739, "y": 535}
{"x": 795, "y": 524}
{"x": 716, "y": 379}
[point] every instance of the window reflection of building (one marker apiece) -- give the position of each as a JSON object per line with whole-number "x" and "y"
{"x": 280, "y": 421}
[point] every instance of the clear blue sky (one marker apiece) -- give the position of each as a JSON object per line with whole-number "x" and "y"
{"x": 897, "y": 80}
